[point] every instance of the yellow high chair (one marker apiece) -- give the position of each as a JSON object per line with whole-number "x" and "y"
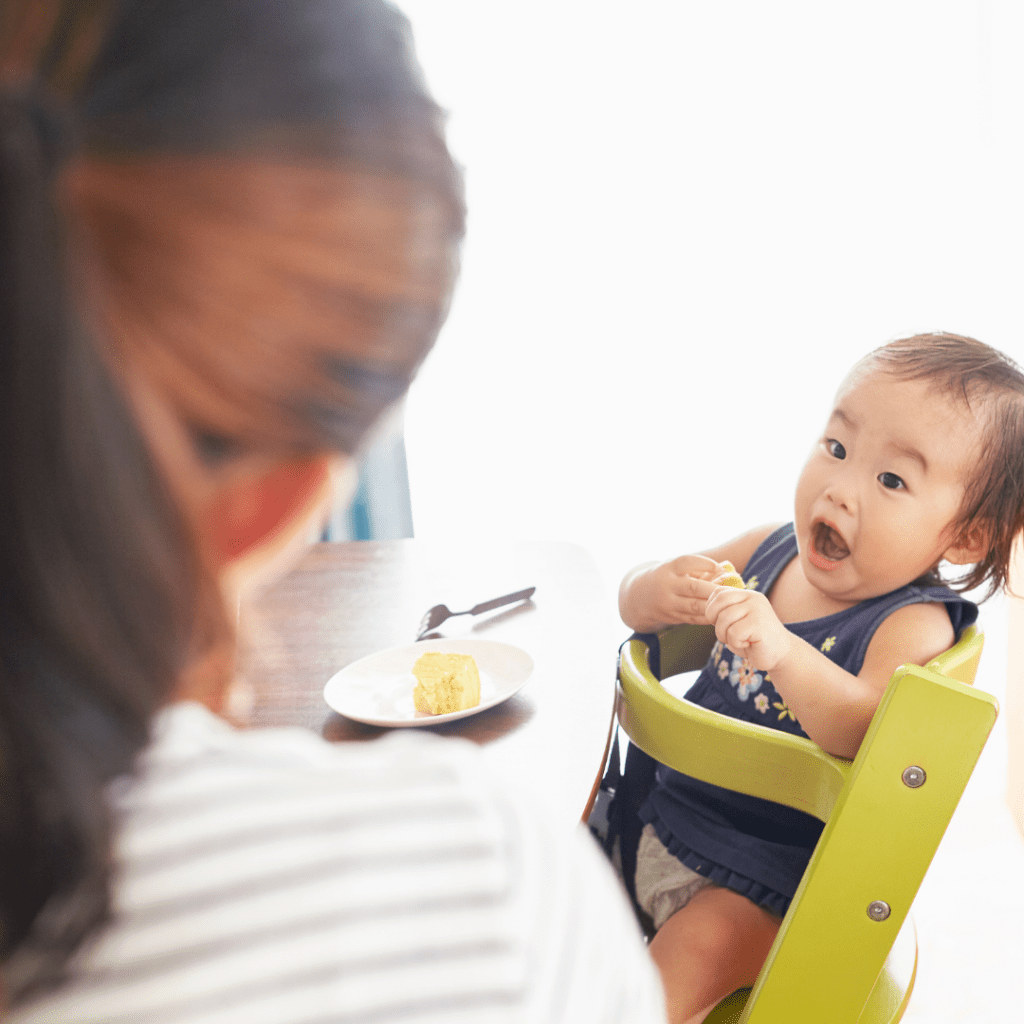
{"x": 846, "y": 952}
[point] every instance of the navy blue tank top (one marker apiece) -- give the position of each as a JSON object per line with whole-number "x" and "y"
{"x": 754, "y": 846}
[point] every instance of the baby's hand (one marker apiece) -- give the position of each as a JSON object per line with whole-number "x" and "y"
{"x": 745, "y": 621}
{"x": 669, "y": 593}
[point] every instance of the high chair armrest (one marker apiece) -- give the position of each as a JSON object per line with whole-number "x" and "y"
{"x": 737, "y": 755}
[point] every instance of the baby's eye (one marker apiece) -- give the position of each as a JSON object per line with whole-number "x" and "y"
{"x": 891, "y": 480}
{"x": 834, "y": 448}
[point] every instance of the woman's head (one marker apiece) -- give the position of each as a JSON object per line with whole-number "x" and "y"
{"x": 228, "y": 234}
{"x": 973, "y": 396}
{"x": 275, "y": 256}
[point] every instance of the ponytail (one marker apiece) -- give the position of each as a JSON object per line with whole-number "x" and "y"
{"x": 121, "y": 250}
{"x": 91, "y": 603}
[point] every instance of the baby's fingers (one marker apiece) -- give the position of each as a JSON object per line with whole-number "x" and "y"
{"x": 699, "y": 589}
{"x": 690, "y": 610}
{"x": 729, "y": 610}
{"x": 687, "y": 601}
{"x": 734, "y": 632}
{"x": 688, "y": 596}
{"x": 695, "y": 566}
{"x": 721, "y": 597}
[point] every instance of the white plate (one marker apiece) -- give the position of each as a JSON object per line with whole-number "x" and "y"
{"x": 378, "y": 689}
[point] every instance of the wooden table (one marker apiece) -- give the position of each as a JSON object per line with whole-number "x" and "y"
{"x": 344, "y": 601}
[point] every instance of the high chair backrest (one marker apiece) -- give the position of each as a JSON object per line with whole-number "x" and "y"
{"x": 885, "y": 813}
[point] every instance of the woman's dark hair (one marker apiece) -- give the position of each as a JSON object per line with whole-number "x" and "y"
{"x": 250, "y": 204}
{"x": 991, "y": 385}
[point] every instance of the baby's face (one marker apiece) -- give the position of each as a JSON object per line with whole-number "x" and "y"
{"x": 876, "y": 501}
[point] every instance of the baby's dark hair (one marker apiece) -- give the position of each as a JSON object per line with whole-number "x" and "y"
{"x": 992, "y": 386}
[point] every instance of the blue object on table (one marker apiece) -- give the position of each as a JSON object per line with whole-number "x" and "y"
{"x": 381, "y": 508}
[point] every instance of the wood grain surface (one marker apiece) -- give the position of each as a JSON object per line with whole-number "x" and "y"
{"x": 344, "y": 601}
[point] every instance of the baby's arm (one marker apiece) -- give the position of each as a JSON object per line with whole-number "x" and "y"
{"x": 656, "y": 595}
{"x": 833, "y": 706}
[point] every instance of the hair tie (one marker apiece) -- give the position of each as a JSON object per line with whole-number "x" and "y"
{"x": 30, "y": 118}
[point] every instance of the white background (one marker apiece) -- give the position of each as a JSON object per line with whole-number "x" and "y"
{"x": 687, "y": 221}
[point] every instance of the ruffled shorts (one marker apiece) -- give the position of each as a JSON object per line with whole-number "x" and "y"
{"x": 665, "y": 883}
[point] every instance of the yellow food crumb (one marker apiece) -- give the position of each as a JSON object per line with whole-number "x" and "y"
{"x": 729, "y": 577}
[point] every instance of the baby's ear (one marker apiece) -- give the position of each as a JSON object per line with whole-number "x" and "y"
{"x": 970, "y": 546}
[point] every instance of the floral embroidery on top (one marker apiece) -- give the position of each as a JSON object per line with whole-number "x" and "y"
{"x": 828, "y": 644}
{"x": 723, "y": 669}
{"x": 744, "y": 678}
{"x": 783, "y": 710}
{"x": 751, "y": 584}
{"x": 761, "y": 702}
{"x": 716, "y": 653}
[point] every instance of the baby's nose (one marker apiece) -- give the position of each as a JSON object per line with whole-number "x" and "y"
{"x": 841, "y": 493}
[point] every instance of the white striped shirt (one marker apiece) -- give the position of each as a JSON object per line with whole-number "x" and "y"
{"x": 268, "y": 877}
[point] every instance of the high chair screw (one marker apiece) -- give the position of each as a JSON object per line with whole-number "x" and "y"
{"x": 879, "y": 910}
{"x": 914, "y": 777}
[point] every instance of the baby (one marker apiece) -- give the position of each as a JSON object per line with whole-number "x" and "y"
{"x": 921, "y": 462}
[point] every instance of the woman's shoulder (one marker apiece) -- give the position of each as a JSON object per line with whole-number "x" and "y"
{"x": 264, "y": 835}
{"x": 191, "y": 746}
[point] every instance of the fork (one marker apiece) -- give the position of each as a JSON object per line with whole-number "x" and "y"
{"x": 436, "y": 615}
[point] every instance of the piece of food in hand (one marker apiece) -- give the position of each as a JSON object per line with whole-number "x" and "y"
{"x": 445, "y": 683}
{"x": 729, "y": 577}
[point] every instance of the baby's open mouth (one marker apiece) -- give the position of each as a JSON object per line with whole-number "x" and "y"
{"x": 827, "y": 543}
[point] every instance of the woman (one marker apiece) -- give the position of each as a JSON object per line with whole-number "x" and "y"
{"x": 229, "y": 233}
